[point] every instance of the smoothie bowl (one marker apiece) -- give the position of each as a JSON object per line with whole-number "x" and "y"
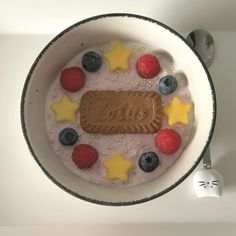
{"x": 118, "y": 109}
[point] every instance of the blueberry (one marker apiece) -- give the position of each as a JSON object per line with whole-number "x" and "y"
{"x": 68, "y": 137}
{"x": 148, "y": 161}
{"x": 91, "y": 61}
{"x": 168, "y": 84}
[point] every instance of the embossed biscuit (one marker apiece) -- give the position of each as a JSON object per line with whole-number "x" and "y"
{"x": 120, "y": 112}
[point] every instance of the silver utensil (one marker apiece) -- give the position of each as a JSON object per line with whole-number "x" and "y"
{"x": 202, "y": 41}
{"x": 207, "y": 182}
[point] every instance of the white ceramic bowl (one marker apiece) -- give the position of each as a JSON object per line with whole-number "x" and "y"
{"x": 101, "y": 29}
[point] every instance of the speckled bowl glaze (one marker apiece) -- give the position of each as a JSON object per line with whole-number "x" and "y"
{"x": 97, "y": 30}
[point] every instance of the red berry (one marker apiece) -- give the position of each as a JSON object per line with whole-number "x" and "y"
{"x": 72, "y": 79}
{"x": 168, "y": 141}
{"x": 84, "y": 156}
{"x": 148, "y": 66}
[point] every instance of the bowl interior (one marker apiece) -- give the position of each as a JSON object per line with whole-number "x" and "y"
{"x": 100, "y": 30}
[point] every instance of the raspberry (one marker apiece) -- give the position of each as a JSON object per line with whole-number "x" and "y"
{"x": 148, "y": 66}
{"x": 72, "y": 79}
{"x": 168, "y": 141}
{"x": 84, "y": 156}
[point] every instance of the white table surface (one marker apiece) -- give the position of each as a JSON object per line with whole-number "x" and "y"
{"x": 44, "y": 16}
{"x": 28, "y": 197}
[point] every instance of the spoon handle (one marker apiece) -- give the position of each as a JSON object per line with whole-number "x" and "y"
{"x": 207, "y": 159}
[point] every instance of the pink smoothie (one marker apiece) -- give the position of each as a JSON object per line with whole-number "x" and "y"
{"x": 130, "y": 145}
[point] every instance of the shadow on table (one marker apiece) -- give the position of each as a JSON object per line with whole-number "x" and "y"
{"x": 226, "y": 166}
{"x": 184, "y": 17}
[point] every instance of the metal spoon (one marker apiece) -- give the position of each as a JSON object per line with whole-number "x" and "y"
{"x": 203, "y": 43}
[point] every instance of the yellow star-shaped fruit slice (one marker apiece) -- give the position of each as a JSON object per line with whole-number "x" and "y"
{"x": 177, "y": 112}
{"x": 117, "y": 167}
{"x": 65, "y": 109}
{"x": 118, "y": 57}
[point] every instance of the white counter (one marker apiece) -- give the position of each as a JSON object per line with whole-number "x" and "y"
{"x": 29, "y": 197}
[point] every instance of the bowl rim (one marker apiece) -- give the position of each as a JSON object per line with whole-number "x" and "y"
{"x": 120, "y": 203}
